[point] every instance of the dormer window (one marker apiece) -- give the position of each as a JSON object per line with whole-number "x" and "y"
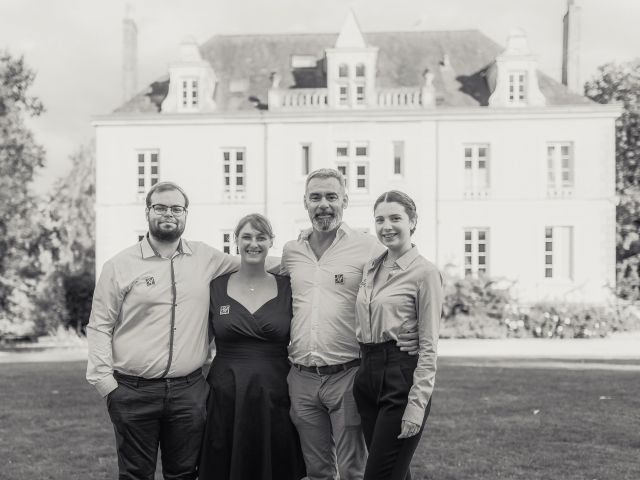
{"x": 517, "y": 87}
{"x": 189, "y": 93}
{"x": 351, "y": 67}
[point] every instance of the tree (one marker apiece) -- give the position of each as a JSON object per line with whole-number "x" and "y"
{"x": 20, "y": 158}
{"x": 71, "y": 208}
{"x": 67, "y": 257}
{"x": 621, "y": 83}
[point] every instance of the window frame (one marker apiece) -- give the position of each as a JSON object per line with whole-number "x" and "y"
{"x": 556, "y": 262}
{"x": 557, "y": 186}
{"x": 472, "y": 243}
{"x": 305, "y": 158}
{"x": 398, "y": 146}
{"x": 472, "y": 177}
{"x": 350, "y": 156}
{"x": 227, "y": 243}
{"x": 237, "y": 170}
{"x": 517, "y": 87}
{"x": 190, "y": 93}
{"x": 145, "y": 169}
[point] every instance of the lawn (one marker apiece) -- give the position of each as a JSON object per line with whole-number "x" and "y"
{"x": 490, "y": 419}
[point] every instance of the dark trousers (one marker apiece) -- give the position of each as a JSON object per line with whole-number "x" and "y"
{"x": 169, "y": 413}
{"x": 381, "y": 390}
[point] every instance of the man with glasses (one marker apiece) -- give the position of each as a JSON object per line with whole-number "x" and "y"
{"x": 148, "y": 340}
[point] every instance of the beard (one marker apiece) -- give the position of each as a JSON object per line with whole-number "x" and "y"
{"x": 326, "y": 224}
{"x": 166, "y": 235}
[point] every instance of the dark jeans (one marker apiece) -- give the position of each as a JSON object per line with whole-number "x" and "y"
{"x": 381, "y": 390}
{"x": 167, "y": 412}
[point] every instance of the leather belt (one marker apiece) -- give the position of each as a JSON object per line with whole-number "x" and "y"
{"x": 328, "y": 369}
{"x": 141, "y": 380}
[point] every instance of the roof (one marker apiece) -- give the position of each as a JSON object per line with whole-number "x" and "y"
{"x": 249, "y": 60}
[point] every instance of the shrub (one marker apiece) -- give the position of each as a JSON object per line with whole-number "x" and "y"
{"x": 476, "y": 297}
{"x": 485, "y": 308}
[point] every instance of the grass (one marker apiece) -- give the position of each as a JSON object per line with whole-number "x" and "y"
{"x": 489, "y": 420}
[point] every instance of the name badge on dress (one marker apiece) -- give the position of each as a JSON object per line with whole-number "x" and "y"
{"x": 224, "y": 309}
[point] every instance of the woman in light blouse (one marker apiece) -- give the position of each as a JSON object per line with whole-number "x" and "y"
{"x": 392, "y": 388}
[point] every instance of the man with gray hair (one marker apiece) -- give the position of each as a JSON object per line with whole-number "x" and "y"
{"x": 325, "y": 264}
{"x": 148, "y": 340}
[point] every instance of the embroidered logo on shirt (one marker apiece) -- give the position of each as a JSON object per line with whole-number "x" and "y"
{"x": 363, "y": 283}
{"x": 150, "y": 281}
{"x": 224, "y": 310}
{"x": 339, "y": 278}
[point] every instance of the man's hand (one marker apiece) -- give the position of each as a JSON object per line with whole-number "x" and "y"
{"x": 408, "y": 429}
{"x": 408, "y": 341}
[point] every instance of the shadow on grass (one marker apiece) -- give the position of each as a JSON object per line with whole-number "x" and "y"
{"x": 490, "y": 419}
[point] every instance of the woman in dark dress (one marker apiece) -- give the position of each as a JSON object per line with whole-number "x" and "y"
{"x": 249, "y": 435}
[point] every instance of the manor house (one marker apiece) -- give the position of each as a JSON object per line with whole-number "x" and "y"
{"x": 512, "y": 171}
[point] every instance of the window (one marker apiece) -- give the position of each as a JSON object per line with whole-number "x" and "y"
{"x": 343, "y": 70}
{"x": 233, "y": 164}
{"x": 148, "y": 170}
{"x": 362, "y": 177}
{"x": 362, "y": 151}
{"x": 342, "y": 164}
{"x": 360, "y": 70}
{"x": 227, "y": 243}
{"x": 398, "y": 158}
{"x": 559, "y": 168}
{"x": 557, "y": 252}
{"x": 352, "y": 160}
{"x": 476, "y": 251}
{"x": 360, "y": 94}
{"x": 517, "y": 87}
{"x": 189, "y": 93}
{"x": 344, "y": 95}
{"x": 476, "y": 170}
{"x": 306, "y": 159}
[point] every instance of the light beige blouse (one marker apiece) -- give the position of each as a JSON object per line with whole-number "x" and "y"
{"x": 408, "y": 296}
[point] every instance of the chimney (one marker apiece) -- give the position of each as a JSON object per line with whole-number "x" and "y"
{"x": 571, "y": 47}
{"x": 129, "y": 56}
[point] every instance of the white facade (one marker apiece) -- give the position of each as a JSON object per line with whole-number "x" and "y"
{"x": 524, "y": 192}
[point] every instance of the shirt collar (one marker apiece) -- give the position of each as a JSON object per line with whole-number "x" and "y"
{"x": 403, "y": 262}
{"x": 148, "y": 251}
{"x": 343, "y": 230}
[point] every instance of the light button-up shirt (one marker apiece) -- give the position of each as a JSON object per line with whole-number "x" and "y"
{"x": 323, "y": 328}
{"x": 409, "y": 297}
{"x": 149, "y": 315}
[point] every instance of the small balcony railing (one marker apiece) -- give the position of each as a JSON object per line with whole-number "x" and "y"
{"x": 399, "y": 97}
{"x": 303, "y": 98}
{"x": 318, "y": 98}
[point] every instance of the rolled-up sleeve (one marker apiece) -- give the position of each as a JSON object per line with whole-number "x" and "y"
{"x": 105, "y": 310}
{"x": 429, "y": 310}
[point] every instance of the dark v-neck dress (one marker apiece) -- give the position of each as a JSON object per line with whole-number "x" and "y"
{"x": 249, "y": 435}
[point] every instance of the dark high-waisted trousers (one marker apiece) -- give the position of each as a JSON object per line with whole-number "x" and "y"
{"x": 381, "y": 391}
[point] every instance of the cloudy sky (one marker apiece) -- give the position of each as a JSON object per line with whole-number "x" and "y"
{"x": 75, "y": 46}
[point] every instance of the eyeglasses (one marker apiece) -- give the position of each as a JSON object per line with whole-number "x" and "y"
{"x": 176, "y": 210}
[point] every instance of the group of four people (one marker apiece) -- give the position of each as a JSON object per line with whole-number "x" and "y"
{"x": 315, "y": 361}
